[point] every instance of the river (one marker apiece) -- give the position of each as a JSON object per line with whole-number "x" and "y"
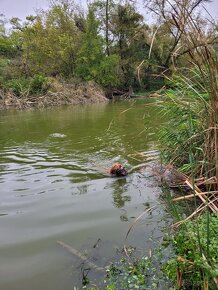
{"x": 54, "y": 187}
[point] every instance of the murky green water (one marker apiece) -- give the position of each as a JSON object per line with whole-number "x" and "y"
{"x": 53, "y": 187}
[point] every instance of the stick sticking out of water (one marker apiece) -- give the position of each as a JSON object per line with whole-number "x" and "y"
{"x": 137, "y": 167}
{"x": 80, "y": 255}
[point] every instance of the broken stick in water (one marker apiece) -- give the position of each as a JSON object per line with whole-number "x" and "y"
{"x": 81, "y": 256}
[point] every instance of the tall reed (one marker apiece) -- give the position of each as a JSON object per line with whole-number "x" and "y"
{"x": 189, "y": 141}
{"x": 193, "y": 102}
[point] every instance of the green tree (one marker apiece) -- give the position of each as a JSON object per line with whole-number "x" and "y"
{"x": 104, "y": 10}
{"x": 50, "y": 41}
{"x": 130, "y": 42}
{"x": 7, "y": 47}
{"x": 91, "y": 51}
{"x": 93, "y": 63}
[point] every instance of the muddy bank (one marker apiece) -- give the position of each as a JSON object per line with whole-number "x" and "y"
{"x": 59, "y": 93}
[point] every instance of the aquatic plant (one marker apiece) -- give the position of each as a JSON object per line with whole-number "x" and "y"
{"x": 131, "y": 274}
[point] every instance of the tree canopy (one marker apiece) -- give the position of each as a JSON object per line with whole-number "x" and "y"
{"x": 109, "y": 43}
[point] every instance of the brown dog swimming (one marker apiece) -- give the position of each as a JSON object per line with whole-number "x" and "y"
{"x": 118, "y": 170}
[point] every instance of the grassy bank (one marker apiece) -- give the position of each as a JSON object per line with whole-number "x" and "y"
{"x": 41, "y": 92}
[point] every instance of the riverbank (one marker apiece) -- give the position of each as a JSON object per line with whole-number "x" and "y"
{"x": 58, "y": 93}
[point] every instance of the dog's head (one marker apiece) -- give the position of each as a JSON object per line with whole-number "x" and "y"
{"x": 117, "y": 169}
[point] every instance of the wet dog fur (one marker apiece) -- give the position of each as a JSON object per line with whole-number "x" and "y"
{"x": 118, "y": 170}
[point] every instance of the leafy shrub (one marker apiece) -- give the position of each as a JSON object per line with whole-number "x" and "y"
{"x": 38, "y": 84}
{"x": 196, "y": 253}
{"x": 19, "y": 87}
{"x": 108, "y": 72}
{"x": 7, "y": 47}
{"x": 26, "y": 87}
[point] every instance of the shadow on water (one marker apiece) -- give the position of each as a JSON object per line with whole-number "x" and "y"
{"x": 55, "y": 187}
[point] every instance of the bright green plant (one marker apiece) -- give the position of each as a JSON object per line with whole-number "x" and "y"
{"x": 196, "y": 256}
{"x": 138, "y": 273}
{"x": 108, "y": 73}
{"x": 91, "y": 50}
{"x": 127, "y": 274}
{"x": 39, "y": 84}
{"x": 24, "y": 87}
{"x": 187, "y": 109}
{"x": 19, "y": 87}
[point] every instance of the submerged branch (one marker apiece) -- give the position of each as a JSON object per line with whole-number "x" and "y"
{"x": 80, "y": 256}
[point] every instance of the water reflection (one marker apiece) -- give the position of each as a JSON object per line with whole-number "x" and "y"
{"x": 124, "y": 217}
{"x": 119, "y": 187}
{"x": 83, "y": 189}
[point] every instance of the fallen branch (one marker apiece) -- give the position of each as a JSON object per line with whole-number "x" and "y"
{"x": 81, "y": 256}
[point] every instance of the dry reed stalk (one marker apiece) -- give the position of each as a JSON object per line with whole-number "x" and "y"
{"x": 132, "y": 225}
{"x": 194, "y": 187}
{"x": 198, "y": 210}
{"x": 184, "y": 261}
{"x": 193, "y": 195}
{"x": 198, "y": 44}
{"x": 203, "y": 181}
{"x": 179, "y": 278}
{"x": 206, "y": 284}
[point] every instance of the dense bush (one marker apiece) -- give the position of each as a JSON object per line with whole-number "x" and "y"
{"x": 28, "y": 86}
{"x": 196, "y": 254}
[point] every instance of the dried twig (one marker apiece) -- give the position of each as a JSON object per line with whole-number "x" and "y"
{"x": 132, "y": 225}
{"x": 193, "y": 195}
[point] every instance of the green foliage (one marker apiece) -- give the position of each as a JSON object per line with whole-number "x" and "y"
{"x": 111, "y": 45}
{"x": 107, "y": 45}
{"x": 135, "y": 273}
{"x": 48, "y": 42}
{"x": 186, "y": 108}
{"x": 138, "y": 273}
{"x": 196, "y": 253}
{"x": 39, "y": 84}
{"x": 25, "y": 87}
{"x": 108, "y": 73}
{"x": 129, "y": 274}
{"x": 91, "y": 51}
{"x": 20, "y": 87}
{"x": 7, "y": 47}
{"x": 129, "y": 31}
